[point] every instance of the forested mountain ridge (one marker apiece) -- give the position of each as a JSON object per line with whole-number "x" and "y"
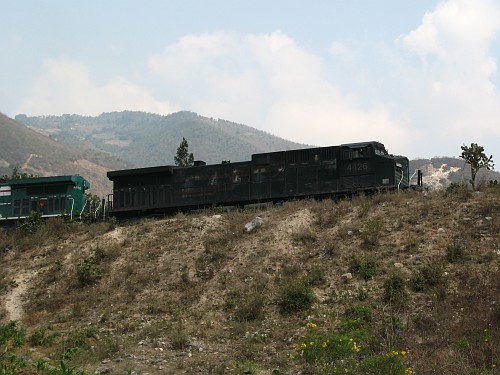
{"x": 147, "y": 139}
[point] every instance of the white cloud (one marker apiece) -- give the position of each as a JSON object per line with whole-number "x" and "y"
{"x": 66, "y": 87}
{"x": 456, "y": 76}
{"x": 269, "y": 82}
{"x": 423, "y": 95}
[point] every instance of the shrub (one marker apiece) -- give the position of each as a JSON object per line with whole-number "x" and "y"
{"x": 395, "y": 289}
{"x": 42, "y": 337}
{"x": 31, "y": 224}
{"x": 88, "y": 272}
{"x": 251, "y": 309}
{"x": 458, "y": 191}
{"x": 428, "y": 275}
{"x": 366, "y": 268}
{"x": 388, "y": 364}
{"x": 455, "y": 250}
{"x": 295, "y": 296}
{"x": 316, "y": 276}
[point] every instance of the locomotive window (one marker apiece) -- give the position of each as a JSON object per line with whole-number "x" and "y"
{"x": 127, "y": 198}
{"x": 17, "y": 204}
{"x": 328, "y": 154}
{"x": 52, "y": 190}
{"x": 304, "y": 156}
{"x": 26, "y": 207}
{"x": 50, "y": 205}
{"x": 353, "y": 154}
{"x": 35, "y": 190}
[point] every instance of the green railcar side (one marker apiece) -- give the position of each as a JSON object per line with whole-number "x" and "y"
{"x": 48, "y": 196}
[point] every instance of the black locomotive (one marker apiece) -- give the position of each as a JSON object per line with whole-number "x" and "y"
{"x": 268, "y": 177}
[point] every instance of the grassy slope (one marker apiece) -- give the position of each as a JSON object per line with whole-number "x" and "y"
{"x": 197, "y": 294}
{"x": 18, "y": 144}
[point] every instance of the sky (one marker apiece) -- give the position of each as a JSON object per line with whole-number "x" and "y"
{"x": 420, "y": 76}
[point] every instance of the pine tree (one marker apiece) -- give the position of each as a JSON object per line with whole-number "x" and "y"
{"x": 183, "y": 158}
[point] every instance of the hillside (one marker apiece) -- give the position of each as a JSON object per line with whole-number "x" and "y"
{"x": 38, "y": 154}
{"x": 391, "y": 284}
{"x": 146, "y": 139}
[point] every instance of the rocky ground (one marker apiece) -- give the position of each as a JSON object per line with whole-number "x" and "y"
{"x": 206, "y": 293}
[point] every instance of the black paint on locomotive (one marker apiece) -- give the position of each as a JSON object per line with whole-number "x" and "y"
{"x": 273, "y": 176}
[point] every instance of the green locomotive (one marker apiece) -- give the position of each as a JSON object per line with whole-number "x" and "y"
{"x": 48, "y": 196}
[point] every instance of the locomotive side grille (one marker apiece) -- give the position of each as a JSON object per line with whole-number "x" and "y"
{"x": 356, "y": 182}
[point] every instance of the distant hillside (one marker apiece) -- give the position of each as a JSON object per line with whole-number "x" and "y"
{"x": 441, "y": 171}
{"x": 146, "y": 139}
{"x": 40, "y": 155}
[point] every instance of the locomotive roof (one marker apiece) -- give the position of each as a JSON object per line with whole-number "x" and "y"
{"x": 45, "y": 180}
{"x": 138, "y": 171}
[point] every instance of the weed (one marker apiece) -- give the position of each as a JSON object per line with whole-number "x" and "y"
{"x": 391, "y": 363}
{"x": 251, "y": 309}
{"x": 42, "y": 337}
{"x": 395, "y": 289}
{"x": 427, "y": 276}
{"x": 304, "y": 235}
{"x": 88, "y": 272}
{"x": 316, "y": 276}
{"x": 455, "y": 250}
{"x": 295, "y": 296}
{"x": 458, "y": 191}
{"x": 366, "y": 268}
{"x": 31, "y": 224}
{"x": 179, "y": 338}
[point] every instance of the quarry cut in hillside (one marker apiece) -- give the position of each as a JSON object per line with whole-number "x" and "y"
{"x": 312, "y": 287}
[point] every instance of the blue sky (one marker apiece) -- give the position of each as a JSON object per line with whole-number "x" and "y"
{"x": 420, "y": 76}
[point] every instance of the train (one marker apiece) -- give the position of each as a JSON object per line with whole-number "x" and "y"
{"x": 268, "y": 177}
{"x": 317, "y": 172}
{"x": 47, "y": 196}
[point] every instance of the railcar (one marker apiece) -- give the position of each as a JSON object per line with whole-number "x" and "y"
{"x": 48, "y": 196}
{"x": 267, "y": 177}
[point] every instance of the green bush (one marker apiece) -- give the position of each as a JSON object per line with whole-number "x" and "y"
{"x": 427, "y": 276}
{"x": 455, "y": 250}
{"x": 42, "y": 337}
{"x": 296, "y": 296}
{"x": 395, "y": 289}
{"x": 88, "y": 272}
{"x": 316, "y": 276}
{"x": 366, "y": 268}
{"x": 251, "y": 309}
{"x": 31, "y": 224}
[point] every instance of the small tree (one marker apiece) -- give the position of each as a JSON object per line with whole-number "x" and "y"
{"x": 475, "y": 156}
{"x": 183, "y": 158}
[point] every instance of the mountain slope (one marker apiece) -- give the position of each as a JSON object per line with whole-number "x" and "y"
{"x": 411, "y": 278}
{"x": 147, "y": 139}
{"x": 37, "y": 154}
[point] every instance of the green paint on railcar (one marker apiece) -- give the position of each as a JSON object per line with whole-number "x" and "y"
{"x": 49, "y": 196}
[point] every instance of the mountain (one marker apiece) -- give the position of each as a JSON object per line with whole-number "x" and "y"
{"x": 38, "y": 154}
{"x": 440, "y": 172}
{"x": 147, "y": 139}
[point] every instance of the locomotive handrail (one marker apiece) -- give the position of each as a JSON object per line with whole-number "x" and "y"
{"x": 98, "y": 207}
{"x": 83, "y": 208}
{"x": 72, "y": 207}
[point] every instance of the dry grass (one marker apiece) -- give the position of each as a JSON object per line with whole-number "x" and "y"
{"x": 197, "y": 294}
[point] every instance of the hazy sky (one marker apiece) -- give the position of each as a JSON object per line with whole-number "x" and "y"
{"x": 421, "y": 76}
